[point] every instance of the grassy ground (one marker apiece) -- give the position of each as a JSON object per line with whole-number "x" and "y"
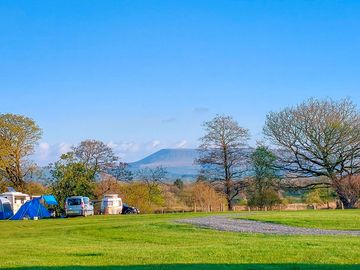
{"x": 323, "y": 219}
{"x": 156, "y": 242}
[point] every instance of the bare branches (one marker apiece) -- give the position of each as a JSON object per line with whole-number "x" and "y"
{"x": 222, "y": 154}
{"x": 95, "y": 155}
{"x": 317, "y": 138}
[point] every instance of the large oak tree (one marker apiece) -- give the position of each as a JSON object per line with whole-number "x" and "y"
{"x": 95, "y": 155}
{"x": 319, "y": 138}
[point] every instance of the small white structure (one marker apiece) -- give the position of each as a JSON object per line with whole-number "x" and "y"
{"x": 17, "y": 199}
{"x": 5, "y": 209}
{"x": 111, "y": 204}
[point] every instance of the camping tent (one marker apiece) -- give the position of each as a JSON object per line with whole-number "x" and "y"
{"x": 5, "y": 209}
{"x": 50, "y": 200}
{"x": 35, "y": 209}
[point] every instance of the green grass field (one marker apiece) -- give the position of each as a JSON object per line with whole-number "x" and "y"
{"x": 322, "y": 219}
{"x": 157, "y": 242}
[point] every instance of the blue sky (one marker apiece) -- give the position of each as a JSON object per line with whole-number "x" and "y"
{"x": 144, "y": 75}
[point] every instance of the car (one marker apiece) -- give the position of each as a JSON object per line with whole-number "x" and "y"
{"x": 78, "y": 206}
{"x": 128, "y": 210}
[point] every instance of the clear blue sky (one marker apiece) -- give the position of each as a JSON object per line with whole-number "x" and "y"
{"x": 143, "y": 75}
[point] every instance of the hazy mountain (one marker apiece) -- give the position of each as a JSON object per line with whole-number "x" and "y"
{"x": 178, "y": 162}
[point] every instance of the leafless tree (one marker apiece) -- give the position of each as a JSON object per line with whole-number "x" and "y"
{"x": 318, "y": 138}
{"x": 152, "y": 178}
{"x": 222, "y": 155}
{"x": 122, "y": 172}
{"x": 95, "y": 155}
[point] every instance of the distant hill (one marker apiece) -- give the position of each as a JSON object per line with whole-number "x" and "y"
{"x": 178, "y": 162}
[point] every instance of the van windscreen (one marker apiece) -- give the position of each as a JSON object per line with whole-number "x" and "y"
{"x": 74, "y": 201}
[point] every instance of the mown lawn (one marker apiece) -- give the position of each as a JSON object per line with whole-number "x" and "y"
{"x": 323, "y": 219}
{"x": 157, "y": 242}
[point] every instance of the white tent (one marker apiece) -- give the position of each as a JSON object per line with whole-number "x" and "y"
{"x": 5, "y": 209}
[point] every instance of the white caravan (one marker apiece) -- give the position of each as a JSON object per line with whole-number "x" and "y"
{"x": 111, "y": 204}
{"x": 17, "y": 199}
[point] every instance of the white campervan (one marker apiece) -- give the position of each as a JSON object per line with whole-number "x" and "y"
{"x": 111, "y": 204}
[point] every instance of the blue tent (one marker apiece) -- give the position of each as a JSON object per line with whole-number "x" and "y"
{"x": 5, "y": 209}
{"x": 34, "y": 208}
{"x": 50, "y": 199}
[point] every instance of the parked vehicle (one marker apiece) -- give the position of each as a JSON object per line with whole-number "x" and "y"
{"x": 17, "y": 199}
{"x": 78, "y": 206}
{"x": 128, "y": 210}
{"x": 111, "y": 204}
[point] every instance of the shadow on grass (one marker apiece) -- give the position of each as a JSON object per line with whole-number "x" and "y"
{"x": 200, "y": 266}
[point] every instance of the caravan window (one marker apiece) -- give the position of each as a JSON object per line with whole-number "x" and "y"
{"x": 108, "y": 203}
{"x": 74, "y": 201}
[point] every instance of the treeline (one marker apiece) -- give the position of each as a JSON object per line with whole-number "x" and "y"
{"x": 311, "y": 150}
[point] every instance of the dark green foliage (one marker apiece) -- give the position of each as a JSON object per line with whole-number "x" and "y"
{"x": 263, "y": 189}
{"x": 71, "y": 179}
{"x": 179, "y": 184}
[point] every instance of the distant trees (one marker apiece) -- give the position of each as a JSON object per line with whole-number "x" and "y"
{"x": 318, "y": 196}
{"x": 263, "y": 188}
{"x": 206, "y": 198}
{"x": 319, "y": 138}
{"x": 95, "y": 155}
{"x": 148, "y": 190}
{"x": 315, "y": 145}
{"x": 107, "y": 185}
{"x": 222, "y": 155}
{"x": 36, "y": 188}
{"x": 76, "y": 172}
{"x": 179, "y": 184}
{"x": 121, "y": 172}
{"x": 152, "y": 178}
{"x": 70, "y": 178}
{"x": 18, "y": 137}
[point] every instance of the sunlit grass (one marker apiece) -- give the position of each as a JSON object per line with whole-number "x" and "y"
{"x": 159, "y": 241}
{"x": 323, "y": 219}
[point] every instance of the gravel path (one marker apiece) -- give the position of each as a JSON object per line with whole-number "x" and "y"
{"x": 225, "y": 223}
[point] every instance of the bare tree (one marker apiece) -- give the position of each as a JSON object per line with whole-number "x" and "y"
{"x": 18, "y": 137}
{"x": 107, "y": 184}
{"x": 222, "y": 155}
{"x": 95, "y": 155}
{"x": 206, "y": 198}
{"x": 152, "y": 178}
{"x": 121, "y": 172}
{"x": 318, "y": 138}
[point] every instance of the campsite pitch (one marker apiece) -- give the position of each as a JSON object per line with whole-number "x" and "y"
{"x": 159, "y": 242}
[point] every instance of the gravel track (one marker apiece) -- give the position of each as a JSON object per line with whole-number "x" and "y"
{"x": 225, "y": 223}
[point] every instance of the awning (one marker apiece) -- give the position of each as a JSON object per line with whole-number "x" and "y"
{"x": 50, "y": 199}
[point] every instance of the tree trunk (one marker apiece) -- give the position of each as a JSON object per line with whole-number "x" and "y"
{"x": 345, "y": 193}
{"x": 347, "y": 203}
{"x": 229, "y": 203}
